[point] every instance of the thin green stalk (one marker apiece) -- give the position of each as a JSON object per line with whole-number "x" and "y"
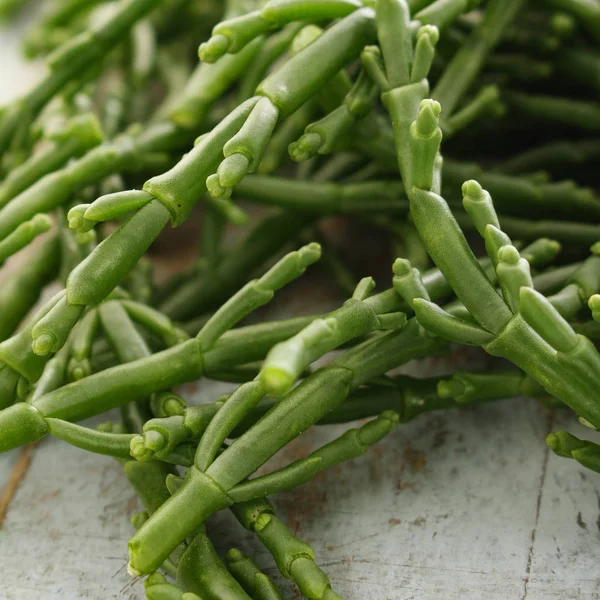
{"x": 576, "y": 234}
{"x": 552, "y": 155}
{"x": 325, "y": 198}
{"x": 23, "y": 235}
{"x": 581, "y": 65}
{"x": 250, "y": 577}
{"x": 576, "y": 113}
{"x": 586, "y": 11}
{"x": 460, "y": 74}
{"x": 294, "y": 557}
{"x": 566, "y": 445}
{"x": 515, "y": 196}
{"x": 21, "y": 289}
{"x": 69, "y": 62}
{"x": 80, "y": 135}
{"x": 357, "y": 317}
{"x": 205, "y": 291}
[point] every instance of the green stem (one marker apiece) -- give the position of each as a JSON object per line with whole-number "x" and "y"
{"x": 72, "y": 60}
{"x": 200, "y": 570}
{"x": 118, "y": 385}
{"x": 80, "y": 135}
{"x": 552, "y": 155}
{"x": 469, "y": 60}
{"x": 250, "y": 577}
{"x": 306, "y": 404}
{"x": 204, "y": 292}
{"x": 295, "y": 558}
{"x": 21, "y": 289}
{"x": 587, "y": 11}
{"x": 576, "y": 113}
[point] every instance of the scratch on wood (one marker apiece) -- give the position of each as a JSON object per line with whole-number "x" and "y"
{"x": 15, "y": 478}
{"x": 549, "y": 423}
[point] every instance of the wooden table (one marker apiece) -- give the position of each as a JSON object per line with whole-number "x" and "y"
{"x": 462, "y": 505}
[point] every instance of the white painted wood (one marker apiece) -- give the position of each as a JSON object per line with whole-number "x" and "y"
{"x": 462, "y": 505}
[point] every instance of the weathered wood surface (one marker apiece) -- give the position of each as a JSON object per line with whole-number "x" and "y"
{"x": 460, "y": 505}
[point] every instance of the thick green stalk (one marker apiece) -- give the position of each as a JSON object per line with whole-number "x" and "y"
{"x": 200, "y": 570}
{"x": 451, "y": 253}
{"x": 289, "y": 88}
{"x": 351, "y": 444}
{"x": 232, "y": 35}
{"x": 568, "y": 367}
{"x": 110, "y": 262}
{"x": 567, "y": 445}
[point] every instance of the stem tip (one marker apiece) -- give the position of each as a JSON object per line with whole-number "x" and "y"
{"x": 43, "y": 344}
